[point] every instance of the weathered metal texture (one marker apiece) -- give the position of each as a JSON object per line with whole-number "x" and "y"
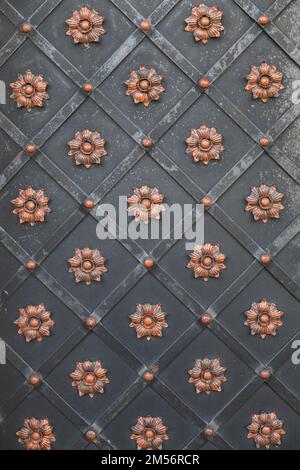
{"x": 149, "y": 378}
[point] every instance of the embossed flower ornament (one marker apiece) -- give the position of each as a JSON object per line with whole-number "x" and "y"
{"x": 207, "y": 261}
{"x": 264, "y": 319}
{"x": 34, "y": 322}
{"x": 264, "y": 203}
{"x": 29, "y": 91}
{"x": 204, "y": 144}
{"x": 148, "y": 321}
{"x": 85, "y": 26}
{"x": 264, "y": 82}
{"x": 207, "y": 375}
{"x": 89, "y": 378}
{"x": 205, "y": 22}
{"x": 145, "y": 204}
{"x": 87, "y": 148}
{"x": 144, "y": 85}
{"x": 266, "y": 430}
{"x": 36, "y": 434}
{"x": 87, "y": 265}
{"x": 149, "y": 433}
{"x": 31, "y": 205}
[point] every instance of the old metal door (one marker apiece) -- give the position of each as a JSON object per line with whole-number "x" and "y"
{"x": 86, "y": 90}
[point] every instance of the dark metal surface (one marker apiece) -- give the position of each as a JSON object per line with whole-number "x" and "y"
{"x": 244, "y": 163}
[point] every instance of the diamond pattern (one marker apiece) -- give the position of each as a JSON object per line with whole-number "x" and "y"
{"x": 242, "y": 122}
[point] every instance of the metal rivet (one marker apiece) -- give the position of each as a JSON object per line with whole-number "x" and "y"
{"x": 145, "y": 25}
{"x": 265, "y": 259}
{"x": 206, "y": 319}
{"x": 207, "y": 202}
{"x": 26, "y": 28}
{"x": 34, "y": 379}
{"x": 88, "y": 204}
{"x": 148, "y": 263}
{"x": 31, "y": 265}
{"x": 263, "y": 20}
{"x": 87, "y": 87}
{"x": 148, "y": 376}
{"x": 204, "y": 83}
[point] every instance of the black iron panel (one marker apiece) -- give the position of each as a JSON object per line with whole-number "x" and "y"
{"x": 244, "y": 163}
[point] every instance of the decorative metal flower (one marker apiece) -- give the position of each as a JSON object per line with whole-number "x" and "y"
{"x": 264, "y": 319}
{"x": 266, "y": 430}
{"x": 207, "y": 375}
{"x": 149, "y": 433}
{"x": 89, "y": 378}
{"x": 85, "y": 26}
{"x": 34, "y": 322}
{"x": 31, "y": 205}
{"x": 36, "y": 434}
{"x": 148, "y": 320}
{"x": 87, "y": 148}
{"x": 87, "y": 265}
{"x": 204, "y": 144}
{"x": 207, "y": 261}
{"x": 145, "y": 203}
{"x": 264, "y": 82}
{"x": 29, "y": 91}
{"x": 205, "y": 22}
{"x": 144, "y": 85}
{"x": 265, "y": 203}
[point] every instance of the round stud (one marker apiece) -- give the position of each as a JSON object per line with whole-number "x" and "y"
{"x": 30, "y": 265}
{"x": 148, "y": 376}
{"x": 26, "y": 28}
{"x": 263, "y": 20}
{"x": 208, "y": 433}
{"x": 90, "y": 435}
{"x": 30, "y": 148}
{"x": 206, "y": 319}
{"x": 34, "y": 379}
{"x": 90, "y": 322}
{"x": 204, "y": 83}
{"x": 147, "y": 142}
{"x": 88, "y": 204}
{"x": 266, "y": 431}
{"x": 207, "y": 202}
{"x": 145, "y": 25}
{"x": 87, "y": 87}
{"x": 149, "y": 263}
{"x": 265, "y": 374}
{"x": 264, "y": 141}
{"x": 265, "y": 259}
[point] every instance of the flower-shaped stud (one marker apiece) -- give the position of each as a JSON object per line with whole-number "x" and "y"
{"x": 205, "y": 22}
{"x": 85, "y": 26}
{"x": 29, "y": 91}
{"x": 144, "y": 85}
{"x": 207, "y": 261}
{"x": 149, "y": 433}
{"x": 207, "y": 375}
{"x": 89, "y": 378}
{"x": 87, "y": 265}
{"x": 264, "y": 203}
{"x": 266, "y": 430}
{"x": 145, "y": 204}
{"x": 264, "y": 82}
{"x": 204, "y": 144}
{"x": 34, "y": 322}
{"x": 264, "y": 319}
{"x": 31, "y": 205}
{"x": 148, "y": 321}
{"x": 36, "y": 434}
{"x": 87, "y": 148}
